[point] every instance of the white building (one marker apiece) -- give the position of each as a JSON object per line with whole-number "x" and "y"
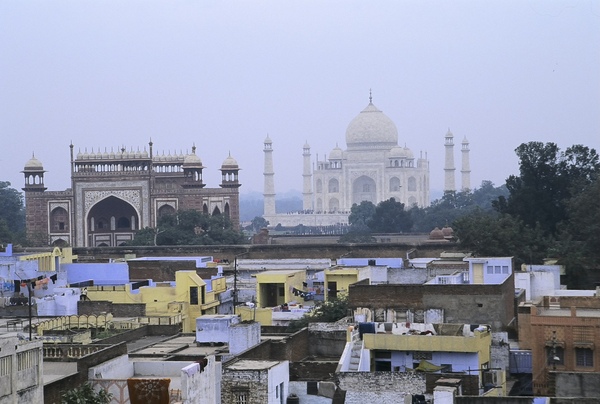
{"x": 21, "y": 376}
{"x": 373, "y": 167}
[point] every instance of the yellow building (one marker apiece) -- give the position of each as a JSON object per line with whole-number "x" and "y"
{"x": 401, "y": 347}
{"x": 338, "y": 280}
{"x": 189, "y": 296}
{"x": 274, "y": 288}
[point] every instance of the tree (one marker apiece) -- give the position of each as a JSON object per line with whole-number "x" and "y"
{"x": 85, "y": 394}
{"x": 390, "y": 217}
{"x": 361, "y": 214}
{"x": 326, "y": 312}
{"x": 496, "y": 235}
{"x": 259, "y": 223}
{"x": 579, "y": 236}
{"x": 12, "y": 214}
{"x": 357, "y": 233}
{"x": 546, "y": 182}
{"x": 190, "y": 227}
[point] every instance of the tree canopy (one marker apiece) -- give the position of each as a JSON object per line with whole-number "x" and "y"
{"x": 190, "y": 227}
{"x": 12, "y": 214}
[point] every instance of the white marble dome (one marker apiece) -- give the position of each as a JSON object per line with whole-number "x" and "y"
{"x": 371, "y": 129}
{"x": 336, "y": 154}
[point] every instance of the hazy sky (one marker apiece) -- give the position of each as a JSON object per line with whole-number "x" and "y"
{"x": 224, "y": 74}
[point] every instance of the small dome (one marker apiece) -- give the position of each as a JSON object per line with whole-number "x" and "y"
{"x": 436, "y": 234}
{"x": 268, "y": 140}
{"x": 192, "y": 160}
{"x": 336, "y": 154}
{"x": 409, "y": 153}
{"x": 397, "y": 152}
{"x": 33, "y": 164}
{"x": 306, "y": 145}
{"x": 230, "y": 163}
{"x": 371, "y": 129}
{"x": 447, "y": 231}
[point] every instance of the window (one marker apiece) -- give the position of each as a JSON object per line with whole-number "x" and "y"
{"x": 497, "y": 269}
{"x": 504, "y": 269}
{"x": 555, "y": 359}
{"x": 490, "y": 269}
{"x": 422, "y": 356}
{"x": 193, "y": 295}
{"x": 241, "y": 397}
{"x": 412, "y": 184}
{"x": 584, "y": 357}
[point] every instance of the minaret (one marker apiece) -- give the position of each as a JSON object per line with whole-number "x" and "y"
{"x": 449, "y": 184}
{"x": 466, "y": 168}
{"x": 269, "y": 190}
{"x": 306, "y": 179}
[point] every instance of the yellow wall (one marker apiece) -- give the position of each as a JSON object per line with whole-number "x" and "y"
{"x": 343, "y": 278}
{"x": 286, "y": 279}
{"x": 165, "y": 300}
{"x": 263, "y": 316}
{"x": 480, "y": 343}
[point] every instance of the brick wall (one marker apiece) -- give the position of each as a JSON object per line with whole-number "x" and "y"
{"x": 312, "y": 370}
{"x": 409, "y": 383}
{"x": 332, "y": 251}
{"x": 158, "y": 271}
{"x": 470, "y": 304}
{"x": 470, "y": 383}
{"x": 89, "y": 307}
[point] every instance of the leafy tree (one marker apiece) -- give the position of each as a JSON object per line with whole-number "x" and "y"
{"x": 326, "y": 312}
{"x": 259, "y": 223}
{"x": 545, "y": 183}
{"x": 85, "y": 394}
{"x": 497, "y": 235}
{"x": 190, "y": 227}
{"x": 390, "y": 217}
{"x": 579, "y": 236}
{"x": 361, "y": 214}
{"x": 12, "y": 214}
{"x": 357, "y": 233}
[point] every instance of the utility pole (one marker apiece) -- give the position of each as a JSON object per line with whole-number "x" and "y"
{"x": 235, "y": 274}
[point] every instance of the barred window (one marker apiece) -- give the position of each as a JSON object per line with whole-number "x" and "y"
{"x": 422, "y": 356}
{"x": 26, "y": 360}
{"x": 584, "y": 357}
{"x": 5, "y": 365}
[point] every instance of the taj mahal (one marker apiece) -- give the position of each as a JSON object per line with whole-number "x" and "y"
{"x": 373, "y": 167}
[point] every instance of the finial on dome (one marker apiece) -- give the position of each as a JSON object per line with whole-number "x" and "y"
{"x": 370, "y": 96}
{"x": 194, "y": 148}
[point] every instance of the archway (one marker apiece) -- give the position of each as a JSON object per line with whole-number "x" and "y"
{"x": 111, "y": 222}
{"x": 364, "y": 189}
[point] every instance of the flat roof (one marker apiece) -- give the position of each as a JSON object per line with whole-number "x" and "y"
{"x": 248, "y": 364}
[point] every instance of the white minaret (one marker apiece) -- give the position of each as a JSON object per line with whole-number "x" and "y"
{"x": 269, "y": 191}
{"x": 306, "y": 179}
{"x": 449, "y": 184}
{"x": 466, "y": 168}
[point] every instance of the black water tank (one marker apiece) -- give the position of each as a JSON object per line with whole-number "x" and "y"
{"x": 293, "y": 399}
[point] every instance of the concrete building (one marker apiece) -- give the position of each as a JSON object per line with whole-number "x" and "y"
{"x": 430, "y": 348}
{"x": 37, "y": 275}
{"x": 255, "y": 382}
{"x": 188, "y": 382}
{"x": 115, "y": 193}
{"x": 188, "y": 297}
{"x": 21, "y": 376}
{"x": 221, "y": 329}
{"x": 373, "y": 167}
{"x": 562, "y": 333}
